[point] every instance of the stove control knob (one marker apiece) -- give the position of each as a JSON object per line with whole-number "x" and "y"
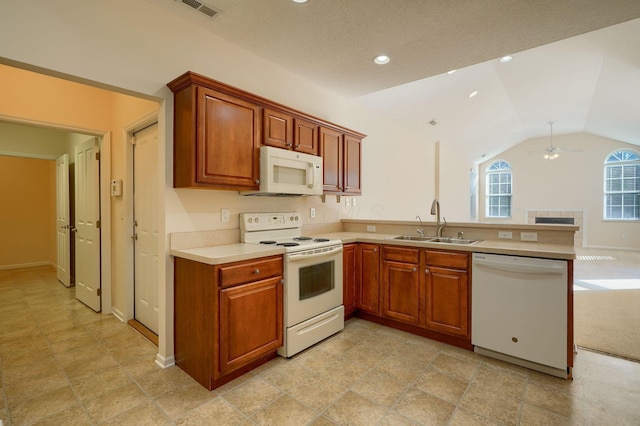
{"x": 250, "y": 220}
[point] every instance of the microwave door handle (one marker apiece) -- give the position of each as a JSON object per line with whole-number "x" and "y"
{"x": 310, "y": 176}
{"x": 294, "y": 257}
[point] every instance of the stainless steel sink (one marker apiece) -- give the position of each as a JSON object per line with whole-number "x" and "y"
{"x": 441, "y": 240}
{"x": 412, "y": 238}
{"x": 446, "y": 240}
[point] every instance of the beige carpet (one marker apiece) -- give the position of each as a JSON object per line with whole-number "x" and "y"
{"x": 607, "y": 321}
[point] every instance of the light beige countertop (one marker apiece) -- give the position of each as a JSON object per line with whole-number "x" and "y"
{"x": 214, "y": 255}
{"x": 516, "y": 248}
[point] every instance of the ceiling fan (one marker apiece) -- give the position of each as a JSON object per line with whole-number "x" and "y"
{"x": 552, "y": 152}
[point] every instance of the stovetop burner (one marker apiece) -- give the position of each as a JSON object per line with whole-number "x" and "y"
{"x": 267, "y": 242}
{"x": 321, "y": 240}
{"x": 288, "y": 244}
{"x": 302, "y": 238}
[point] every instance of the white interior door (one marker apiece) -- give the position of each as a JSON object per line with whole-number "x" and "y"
{"x": 62, "y": 220}
{"x": 145, "y": 237}
{"x": 87, "y": 223}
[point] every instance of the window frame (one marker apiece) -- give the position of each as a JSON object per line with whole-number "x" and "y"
{"x": 499, "y": 168}
{"x": 624, "y": 159}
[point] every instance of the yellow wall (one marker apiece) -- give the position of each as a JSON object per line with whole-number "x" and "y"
{"x": 28, "y": 212}
{"x": 39, "y": 98}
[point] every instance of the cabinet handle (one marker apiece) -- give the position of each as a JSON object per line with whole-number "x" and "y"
{"x": 257, "y": 271}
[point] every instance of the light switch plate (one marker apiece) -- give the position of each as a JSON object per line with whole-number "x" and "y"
{"x": 313, "y": 212}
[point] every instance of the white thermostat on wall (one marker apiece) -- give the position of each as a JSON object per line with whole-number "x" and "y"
{"x": 116, "y": 187}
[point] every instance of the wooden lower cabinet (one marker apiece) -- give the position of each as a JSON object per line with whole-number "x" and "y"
{"x": 228, "y": 318}
{"x": 368, "y": 278}
{"x": 447, "y": 292}
{"x": 421, "y": 291}
{"x": 400, "y": 284}
{"x": 349, "y": 279}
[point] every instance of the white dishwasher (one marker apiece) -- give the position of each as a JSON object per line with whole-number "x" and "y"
{"x": 519, "y": 311}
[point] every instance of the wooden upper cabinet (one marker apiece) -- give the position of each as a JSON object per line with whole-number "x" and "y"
{"x": 331, "y": 151}
{"x": 305, "y": 136}
{"x": 341, "y": 154}
{"x": 285, "y": 131}
{"x": 278, "y": 129}
{"x": 352, "y": 163}
{"x": 216, "y": 140}
{"x": 218, "y": 131}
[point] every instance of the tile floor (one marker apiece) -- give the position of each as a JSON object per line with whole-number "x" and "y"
{"x": 62, "y": 364}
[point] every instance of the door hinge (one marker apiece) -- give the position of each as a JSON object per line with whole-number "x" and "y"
{"x": 99, "y": 291}
{"x": 132, "y": 140}
{"x": 98, "y": 156}
{"x": 98, "y": 224}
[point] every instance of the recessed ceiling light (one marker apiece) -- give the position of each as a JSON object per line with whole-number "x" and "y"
{"x": 451, "y": 72}
{"x": 300, "y": 1}
{"x": 472, "y": 94}
{"x": 507, "y": 58}
{"x": 381, "y": 59}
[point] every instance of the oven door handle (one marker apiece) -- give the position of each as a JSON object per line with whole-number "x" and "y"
{"x": 296, "y": 257}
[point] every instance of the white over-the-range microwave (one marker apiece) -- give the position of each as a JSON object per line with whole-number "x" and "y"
{"x": 286, "y": 173}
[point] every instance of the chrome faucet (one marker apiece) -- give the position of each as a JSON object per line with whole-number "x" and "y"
{"x": 435, "y": 210}
{"x": 421, "y": 229}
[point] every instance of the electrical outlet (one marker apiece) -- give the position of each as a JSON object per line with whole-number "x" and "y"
{"x": 528, "y": 236}
{"x": 346, "y": 201}
{"x": 505, "y": 234}
{"x": 313, "y": 212}
{"x": 625, "y": 236}
{"x": 353, "y": 202}
{"x": 371, "y": 228}
{"x": 224, "y": 215}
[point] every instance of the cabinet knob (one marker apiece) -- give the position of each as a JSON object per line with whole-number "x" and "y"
{"x": 426, "y": 270}
{"x": 289, "y": 145}
{"x": 257, "y": 271}
{"x": 375, "y": 249}
{"x": 257, "y": 181}
{"x": 415, "y": 269}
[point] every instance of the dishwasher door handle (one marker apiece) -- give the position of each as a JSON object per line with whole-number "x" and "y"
{"x": 523, "y": 268}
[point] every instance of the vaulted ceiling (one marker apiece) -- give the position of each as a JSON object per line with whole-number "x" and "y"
{"x": 575, "y": 62}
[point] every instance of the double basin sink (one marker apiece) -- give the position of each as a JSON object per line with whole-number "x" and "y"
{"x": 441, "y": 240}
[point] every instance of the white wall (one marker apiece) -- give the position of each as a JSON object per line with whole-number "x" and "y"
{"x": 574, "y": 181}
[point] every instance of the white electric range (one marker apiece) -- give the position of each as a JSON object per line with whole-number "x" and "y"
{"x": 313, "y": 308}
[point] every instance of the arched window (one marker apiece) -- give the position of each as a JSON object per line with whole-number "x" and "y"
{"x": 498, "y": 189}
{"x": 622, "y": 185}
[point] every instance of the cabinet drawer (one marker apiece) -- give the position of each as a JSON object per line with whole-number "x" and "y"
{"x": 401, "y": 254}
{"x": 447, "y": 259}
{"x": 255, "y": 270}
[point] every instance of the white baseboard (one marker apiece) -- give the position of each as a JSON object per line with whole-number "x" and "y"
{"x": 118, "y": 314}
{"x": 165, "y": 362}
{"x": 27, "y": 265}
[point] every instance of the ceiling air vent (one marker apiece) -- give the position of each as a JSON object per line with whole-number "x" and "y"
{"x": 200, "y": 7}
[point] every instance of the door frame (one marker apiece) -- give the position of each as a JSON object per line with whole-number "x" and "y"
{"x": 127, "y": 199}
{"x": 105, "y": 199}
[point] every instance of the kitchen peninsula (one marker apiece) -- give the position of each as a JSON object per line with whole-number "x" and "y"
{"x": 417, "y": 286}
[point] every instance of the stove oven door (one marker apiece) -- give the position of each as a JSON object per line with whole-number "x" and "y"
{"x": 313, "y": 283}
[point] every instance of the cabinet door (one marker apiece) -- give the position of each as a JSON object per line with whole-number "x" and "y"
{"x": 349, "y": 279}
{"x": 401, "y": 291}
{"x": 250, "y": 322}
{"x": 228, "y": 140}
{"x": 305, "y": 136}
{"x": 447, "y": 300}
{"x": 352, "y": 161}
{"x": 278, "y": 129}
{"x": 332, "y": 157}
{"x": 368, "y": 278}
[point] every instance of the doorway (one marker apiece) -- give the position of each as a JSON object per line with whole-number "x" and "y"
{"x": 143, "y": 142}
